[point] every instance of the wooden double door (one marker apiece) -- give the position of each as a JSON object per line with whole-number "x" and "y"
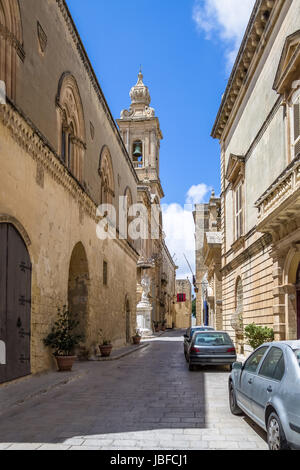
{"x": 15, "y": 304}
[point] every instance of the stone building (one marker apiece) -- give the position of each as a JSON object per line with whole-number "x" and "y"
{"x": 61, "y": 156}
{"x": 208, "y": 262}
{"x": 183, "y": 306}
{"x": 259, "y": 133}
{"x": 168, "y": 286}
{"x": 141, "y": 134}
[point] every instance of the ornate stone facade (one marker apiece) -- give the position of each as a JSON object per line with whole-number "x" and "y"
{"x": 55, "y": 173}
{"x": 259, "y": 132}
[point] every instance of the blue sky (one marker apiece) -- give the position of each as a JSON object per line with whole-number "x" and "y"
{"x": 186, "y": 48}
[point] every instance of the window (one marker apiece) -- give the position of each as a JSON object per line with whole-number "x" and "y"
{"x": 212, "y": 339}
{"x": 239, "y": 219}
{"x": 273, "y": 366}
{"x": 297, "y": 354}
{"x": 105, "y": 273}
{"x": 181, "y": 298}
{"x": 71, "y": 127}
{"x": 253, "y": 362}
{"x": 107, "y": 177}
{"x": 297, "y": 128}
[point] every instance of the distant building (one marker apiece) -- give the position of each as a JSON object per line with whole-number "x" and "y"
{"x": 183, "y": 306}
{"x": 208, "y": 262}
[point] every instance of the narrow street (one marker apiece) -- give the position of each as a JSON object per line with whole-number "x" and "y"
{"x": 148, "y": 400}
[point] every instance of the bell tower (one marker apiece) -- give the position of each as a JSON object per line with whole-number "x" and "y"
{"x": 141, "y": 134}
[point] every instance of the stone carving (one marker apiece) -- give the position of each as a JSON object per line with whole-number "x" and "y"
{"x": 140, "y": 100}
{"x": 146, "y": 289}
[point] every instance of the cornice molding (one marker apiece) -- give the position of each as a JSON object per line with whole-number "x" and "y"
{"x": 28, "y": 137}
{"x": 260, "y": 27}
{"x": 249, "y": 252}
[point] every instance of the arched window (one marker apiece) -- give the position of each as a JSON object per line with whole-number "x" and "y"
{"x": 11, "y": 44}
{"x": 107, "y": 177}
{"x": 129, "y": 202}
{"x": 71, "y": 126}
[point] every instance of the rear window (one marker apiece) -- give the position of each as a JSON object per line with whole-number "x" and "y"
{"x": 213, "y": 339}
{"x": 204, "y": 328}
{"x": 297, "y": 354}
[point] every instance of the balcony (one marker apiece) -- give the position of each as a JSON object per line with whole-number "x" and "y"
{"x": 279, "y": 207}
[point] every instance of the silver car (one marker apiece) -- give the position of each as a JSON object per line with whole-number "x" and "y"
{"x": 267, "y": 389}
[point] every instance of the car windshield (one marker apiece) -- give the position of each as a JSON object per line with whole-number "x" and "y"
{"x": 213, "y": 339}
{"x": 297, "y": 353}
{"x": 202, "y": 328}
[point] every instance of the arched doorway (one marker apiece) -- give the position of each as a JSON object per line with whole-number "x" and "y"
{"x": 78, "y": 288}
{"x": 298, "y": 301}
{"x": 128, "y": 321}
{"x": 15, "y": 304}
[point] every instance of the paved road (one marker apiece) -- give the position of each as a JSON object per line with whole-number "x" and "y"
{"x": 145, "y": 401}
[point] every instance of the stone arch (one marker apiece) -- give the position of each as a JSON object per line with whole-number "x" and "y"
{"x": 127, "y": 319}
{"x": 11, "y": 44}
{"x": 78, "y": 288}
{"x": 107, "y": 176}
{"x": 71, "y": 125}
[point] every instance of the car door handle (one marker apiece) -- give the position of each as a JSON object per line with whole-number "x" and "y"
{"x": 270, "y": 389}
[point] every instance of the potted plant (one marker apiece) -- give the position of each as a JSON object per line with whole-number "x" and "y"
{"x": 156, "y": 326}
{"x": 137, "y": 337}
{"x": 105, "y": 346}
{"x": 164, "y": 325}
{"x": 63, "y": 339}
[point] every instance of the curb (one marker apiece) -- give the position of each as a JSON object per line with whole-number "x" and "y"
{"x": 124, "y": 354}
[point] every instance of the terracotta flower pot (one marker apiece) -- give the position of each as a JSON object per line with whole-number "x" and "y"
{"x": 105, "y": 350}
{"x": 65, "y": 363}
{"x": 136, "y": 339}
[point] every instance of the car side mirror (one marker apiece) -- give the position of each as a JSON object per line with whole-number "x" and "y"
{"x": 237, "y": 366}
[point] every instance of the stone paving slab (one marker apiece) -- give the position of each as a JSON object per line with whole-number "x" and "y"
{"x": 149, "y": 400}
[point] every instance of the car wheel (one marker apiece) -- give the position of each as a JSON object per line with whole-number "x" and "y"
{"x": 276, "y": 436}
{"x": 235, "y": 410}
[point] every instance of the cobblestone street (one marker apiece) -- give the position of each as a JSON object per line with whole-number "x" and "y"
{"x": 148, "y": 400}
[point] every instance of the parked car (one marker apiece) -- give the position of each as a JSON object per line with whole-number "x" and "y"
{"x": 267, "y": 388}
{"x": 211, "y": 348}
{"x": 189, "y": 334}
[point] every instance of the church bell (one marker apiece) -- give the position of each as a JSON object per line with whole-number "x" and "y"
{"x": 138, "y": 151}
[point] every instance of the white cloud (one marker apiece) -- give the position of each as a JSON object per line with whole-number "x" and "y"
{"x": 227, "y": 19}
{"x": 179, "y": 228}
{"x": 196, "y": 194}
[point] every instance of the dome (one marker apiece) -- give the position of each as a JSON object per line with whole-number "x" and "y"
{"x": 139, "y": 94}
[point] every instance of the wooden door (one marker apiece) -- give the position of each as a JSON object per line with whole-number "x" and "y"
{"x": 15, "y": 303}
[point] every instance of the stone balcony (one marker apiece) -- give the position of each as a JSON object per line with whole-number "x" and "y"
{"x": 279, "y": 206}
